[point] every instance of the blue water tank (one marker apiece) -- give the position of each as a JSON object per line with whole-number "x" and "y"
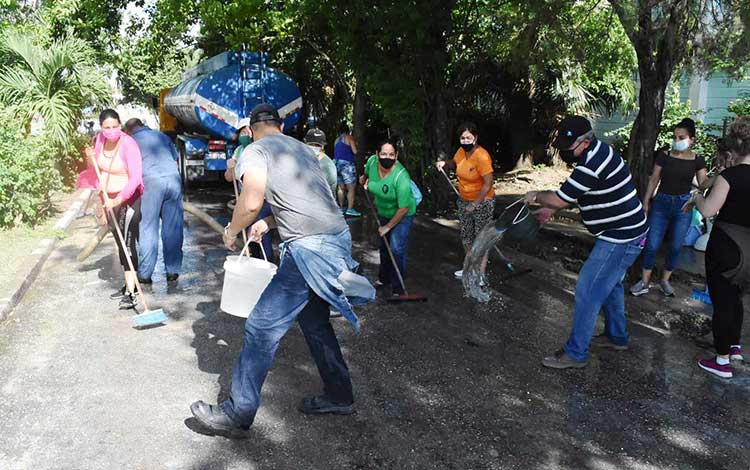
{"x": 218, "y": 92}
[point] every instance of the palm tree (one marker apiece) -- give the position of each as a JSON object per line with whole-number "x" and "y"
{"x": 53, "y": 81}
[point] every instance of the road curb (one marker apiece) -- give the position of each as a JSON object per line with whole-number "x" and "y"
{"x": 39, "y": 255}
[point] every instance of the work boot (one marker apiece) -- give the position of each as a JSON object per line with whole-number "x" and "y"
{"x": 561, "y": 360}
{"x": 213, "y": 418}
{"x": 321, "y": 405}
{"x": 603, "y": 341}
{"x": 639, "y": 288}
{"x": 128, "y": 301}
{"x": 666, "y": 289}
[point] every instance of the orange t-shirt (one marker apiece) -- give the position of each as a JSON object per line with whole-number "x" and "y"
{"x": 471, "y": 171}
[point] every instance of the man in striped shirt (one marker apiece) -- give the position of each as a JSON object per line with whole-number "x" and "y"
{"x": 602, "y": 187}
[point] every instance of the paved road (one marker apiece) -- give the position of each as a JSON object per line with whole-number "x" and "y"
{"x": 444, "y": 385}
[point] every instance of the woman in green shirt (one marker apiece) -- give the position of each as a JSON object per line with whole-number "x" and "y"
{"x": 390, "y": 185}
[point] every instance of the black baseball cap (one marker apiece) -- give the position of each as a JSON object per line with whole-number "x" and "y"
{"x": 264, "y": 112}
{"x": 569, "y": 130}
{"x": 315, "y": 136}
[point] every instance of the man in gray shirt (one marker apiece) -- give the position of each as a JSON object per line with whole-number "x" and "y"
{"x": 316, "y": 250}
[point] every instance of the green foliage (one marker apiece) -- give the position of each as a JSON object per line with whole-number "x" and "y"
{"x": 674, "y": 112}
{"x": 740, "y": 106}
{"x": 27, "y": 174}
{"x": 53, "y": 81}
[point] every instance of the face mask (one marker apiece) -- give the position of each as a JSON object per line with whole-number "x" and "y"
{"x": 681, "y": 145}
{"x": 245, "y": 140}
{"x": 468, "y": 147}
{"x": 387, "y": 162}
{"x": 113, "y": 135}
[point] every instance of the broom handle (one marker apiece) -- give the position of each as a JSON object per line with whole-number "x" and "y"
{"x": 237, "y": 200}
{"x": 387, "y": 245}
{"x": 450, "y": 182}
{"x": 119, "y": 235}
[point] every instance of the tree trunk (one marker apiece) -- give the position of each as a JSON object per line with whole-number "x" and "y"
{"x": 646, "y": 127}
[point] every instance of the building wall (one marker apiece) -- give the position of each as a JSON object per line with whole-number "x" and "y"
{"x": 711, "y": 95}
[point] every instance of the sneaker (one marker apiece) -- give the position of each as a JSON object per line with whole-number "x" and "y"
{"x": 172, "y": 277}
{"x": 483, "y": 281}
{"x": 666, "y": 289}
{"x": 713, "y": 367}
{"x": 639, "y": 288}
{"x": 321, "y": 405}
{"x": 128, "y": 301}
{"x": 352, "y": 213}
{"x": 379, "y": 284}
{"x": 118, "y": 294}
{"x": 602, "y": 341}
{"x": 561, "y": 360}
{"x": 735, "y": 354}
{"x": 334, "y": 314}
{"x": 459, "y": 274}
{"x": 147, "y": 281}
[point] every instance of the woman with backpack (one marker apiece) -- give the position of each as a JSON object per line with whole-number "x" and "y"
{"x": 476, "y": 204}
{"x": 390, "y": 185}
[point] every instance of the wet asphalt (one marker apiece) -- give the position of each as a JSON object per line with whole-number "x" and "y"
{"x": 447, "y": 384}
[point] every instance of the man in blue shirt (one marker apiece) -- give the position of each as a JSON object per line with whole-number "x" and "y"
{"x": 162, "y": 198}
{"x": 603, "y": 189}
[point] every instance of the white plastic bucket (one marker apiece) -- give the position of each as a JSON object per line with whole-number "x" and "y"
{"x": 245, "y": 278}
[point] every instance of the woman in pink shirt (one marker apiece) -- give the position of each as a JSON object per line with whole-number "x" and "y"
{"x": 119, "y": 161}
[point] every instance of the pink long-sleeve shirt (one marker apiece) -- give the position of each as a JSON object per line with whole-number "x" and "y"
{"x": 131, "y": 157}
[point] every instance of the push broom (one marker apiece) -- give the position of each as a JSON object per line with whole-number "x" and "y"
{"x": 406, "y": 296}
{"x": 505, "y": 260}
{"x": 148, "y": 317}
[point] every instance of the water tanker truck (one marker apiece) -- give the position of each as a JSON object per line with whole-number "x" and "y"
{"x": 202, "y": 112}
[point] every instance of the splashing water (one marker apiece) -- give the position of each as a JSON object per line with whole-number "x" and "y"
{"x": 487, "y": 238}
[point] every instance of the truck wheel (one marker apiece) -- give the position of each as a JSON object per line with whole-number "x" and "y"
{"x": 183, "y": 165}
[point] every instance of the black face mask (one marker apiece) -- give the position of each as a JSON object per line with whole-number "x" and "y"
{"x": 568, "y": 157}
{"x": 387, "y": 162}
{"x": 468, "y": 147}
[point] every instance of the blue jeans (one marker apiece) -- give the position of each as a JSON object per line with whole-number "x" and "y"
{"x": 600, "y": 287}
{"x": 286, "y": 299}
{"x": 666, "y": 215}
{"x": 161, "y": 200}
{"x": 398, "y": 238}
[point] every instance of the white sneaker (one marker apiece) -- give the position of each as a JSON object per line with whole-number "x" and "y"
{"x": 459, "y": 274}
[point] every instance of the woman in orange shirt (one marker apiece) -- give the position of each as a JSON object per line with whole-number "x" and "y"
{"x": 476, "y": 205}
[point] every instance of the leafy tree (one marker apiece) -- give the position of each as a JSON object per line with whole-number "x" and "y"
{"x": 666, "y": 34}
{"x": 54, "y": 81}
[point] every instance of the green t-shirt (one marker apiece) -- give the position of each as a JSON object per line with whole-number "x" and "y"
{"x": 329, "y": 169}
{"x": 392, "y": 192}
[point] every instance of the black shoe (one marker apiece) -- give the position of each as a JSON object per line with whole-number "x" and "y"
{"x": 128, "y": 301}
{"x": 118, "y": 294}
{"x": 145, "y": 281}
{"x": 320, "y": 405}
{"x": 172, "y": 277}
{"x": 214, "y": 418}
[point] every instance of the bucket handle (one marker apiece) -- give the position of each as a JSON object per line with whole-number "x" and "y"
{"x": 516, "y": 220}
{"x": 245, "y": 250}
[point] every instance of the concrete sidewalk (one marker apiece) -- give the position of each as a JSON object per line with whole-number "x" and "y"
{"x": 449, "y": 384}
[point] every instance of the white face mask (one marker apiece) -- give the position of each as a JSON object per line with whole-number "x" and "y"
{"x": 681, "y": 145}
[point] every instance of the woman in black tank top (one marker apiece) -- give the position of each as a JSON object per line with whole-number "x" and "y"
{"x": 728, "y": 250}
{"x": 673, "y": 175}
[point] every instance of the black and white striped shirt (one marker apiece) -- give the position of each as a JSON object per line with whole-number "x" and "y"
{"x": 603, "y": 188}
